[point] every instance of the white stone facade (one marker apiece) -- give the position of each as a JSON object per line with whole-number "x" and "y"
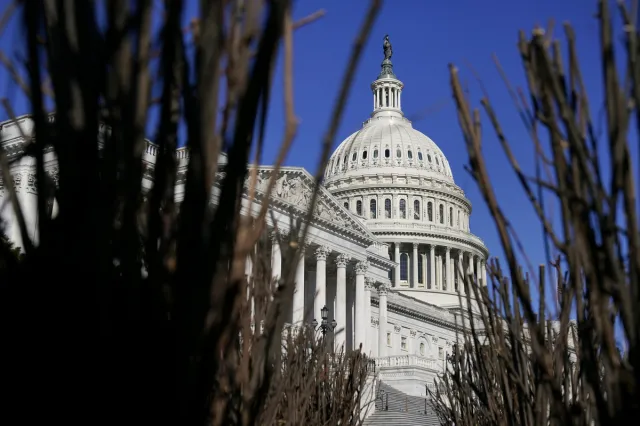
{"x": 389, "y": 233}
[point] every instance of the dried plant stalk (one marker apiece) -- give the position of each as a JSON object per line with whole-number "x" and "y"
{"x": 193, "y": 340}
{"x": 521, "y": 364}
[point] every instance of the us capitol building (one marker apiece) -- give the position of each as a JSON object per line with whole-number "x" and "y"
{"x": 390, "y": 233}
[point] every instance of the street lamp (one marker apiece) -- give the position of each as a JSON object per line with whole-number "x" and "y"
{"x": 324, "y": 326}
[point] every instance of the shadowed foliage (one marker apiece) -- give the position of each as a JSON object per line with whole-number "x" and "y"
{"x": 132, "y": 308}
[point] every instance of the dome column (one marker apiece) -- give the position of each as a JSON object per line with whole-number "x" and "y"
{"x": 396, "y": 258}
{"x": 478, "y": 270}
{"x": 484, "y": 272}
{"x": 432, "y": 266}
{"x": 414, "y": 264}
{"x": 460, "y": 273}
{"x": 447, "y": 270}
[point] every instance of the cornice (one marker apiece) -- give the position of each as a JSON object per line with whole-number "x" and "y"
{"x": 390, "y": 233}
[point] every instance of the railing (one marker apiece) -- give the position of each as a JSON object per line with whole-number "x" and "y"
{"x": 408, "y": 361}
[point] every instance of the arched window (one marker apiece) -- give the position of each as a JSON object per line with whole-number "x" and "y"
{"x": 458, "y": 224}
{"x": 346, "y": 205}
{"x": 386, "y": 153}
{"x": 416, "y": 209}
{"x": 419, "y": 156}
{"x": 429, "y": 157}
{"x": 404, "y": 267}
{"x": 387, "y": 208}
{"x": 344, "y": 163}
{"x": 364, "y": 155}
{"x": 372, "y": 209}
{"x": 409, "y": 154}
{"x": 420, "y": 272}
{"x": 359, "y": 208}
{"x": 398, "y": 153}
{"x": 430, "y": 211}
{"x": 422, "y": 348}
{"x": 354, "y": 157}
{"x": 437, "y": 162}
{"x": 450, "y": 216}
{"x": 441, "y": 211}
{"x": 403, "y": 209}
{"x": 375, "y": 153}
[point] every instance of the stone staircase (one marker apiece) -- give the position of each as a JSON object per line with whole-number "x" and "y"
{"x": 395, "y": 408}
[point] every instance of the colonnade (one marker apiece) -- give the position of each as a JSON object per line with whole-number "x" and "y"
{"x": 350, "y": 276}
{"x": 435, "y": 267}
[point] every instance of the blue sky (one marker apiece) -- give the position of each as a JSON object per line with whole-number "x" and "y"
{"x": 426, "y": 36}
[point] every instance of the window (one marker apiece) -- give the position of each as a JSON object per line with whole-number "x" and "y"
{"x": 387, "y": 208}
{"x": 420, "y": 271}
{"x": 458, "y": 224}
{"x": 359, "y": 208}
{"x": 416, "y": 209}
{"x": 422, "y": 348}
{"x": 430, "y": 211}
{"x": 403, "y": 209}
{"x": 437, "y": 162}
{"x": 364, "y": 155}
{"x": 441, "y": 352}
{"x": 450, "y": 216}
{"x": 419, "y": 156}
{"x": 398, "y": 153}
{"x": 409, "y": 154}
{"x": 429, "y": 157}
{"x": 388, "y": 339}
{"x": 354, "y": 157}
{"x": 346, "y": 205}
{"x": 344, "y": 163}
{"x": 441, "y": 213}
{"x": 375, "y": 153}
{"x": 372, "y": 209}
{"x": 386, "y": 153}
{"x": 403, "y": 343}
{"x": 404, "y": 267}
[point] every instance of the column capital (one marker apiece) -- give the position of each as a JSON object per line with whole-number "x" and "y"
{"x": 369, "y": 283}
{"x": 362, "y": 267}
{"x": 415, "y": 246}
{"x": 322, "y": 252}
{"x": 277, "y": 235}
{"x": 383, "y": 290}
{"x": 342, "y": 260}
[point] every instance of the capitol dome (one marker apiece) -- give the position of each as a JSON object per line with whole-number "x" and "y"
{"x": 388, "y": 143}
{"x": 398, "y": 181}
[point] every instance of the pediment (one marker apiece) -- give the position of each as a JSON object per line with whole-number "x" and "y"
{"x": 294, "y": 189}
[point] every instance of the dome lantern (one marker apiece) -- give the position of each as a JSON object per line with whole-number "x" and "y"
{"x": 387, "y": 89}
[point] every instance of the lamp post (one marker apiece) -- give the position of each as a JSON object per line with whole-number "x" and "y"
{"x": 324, "y": 326}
